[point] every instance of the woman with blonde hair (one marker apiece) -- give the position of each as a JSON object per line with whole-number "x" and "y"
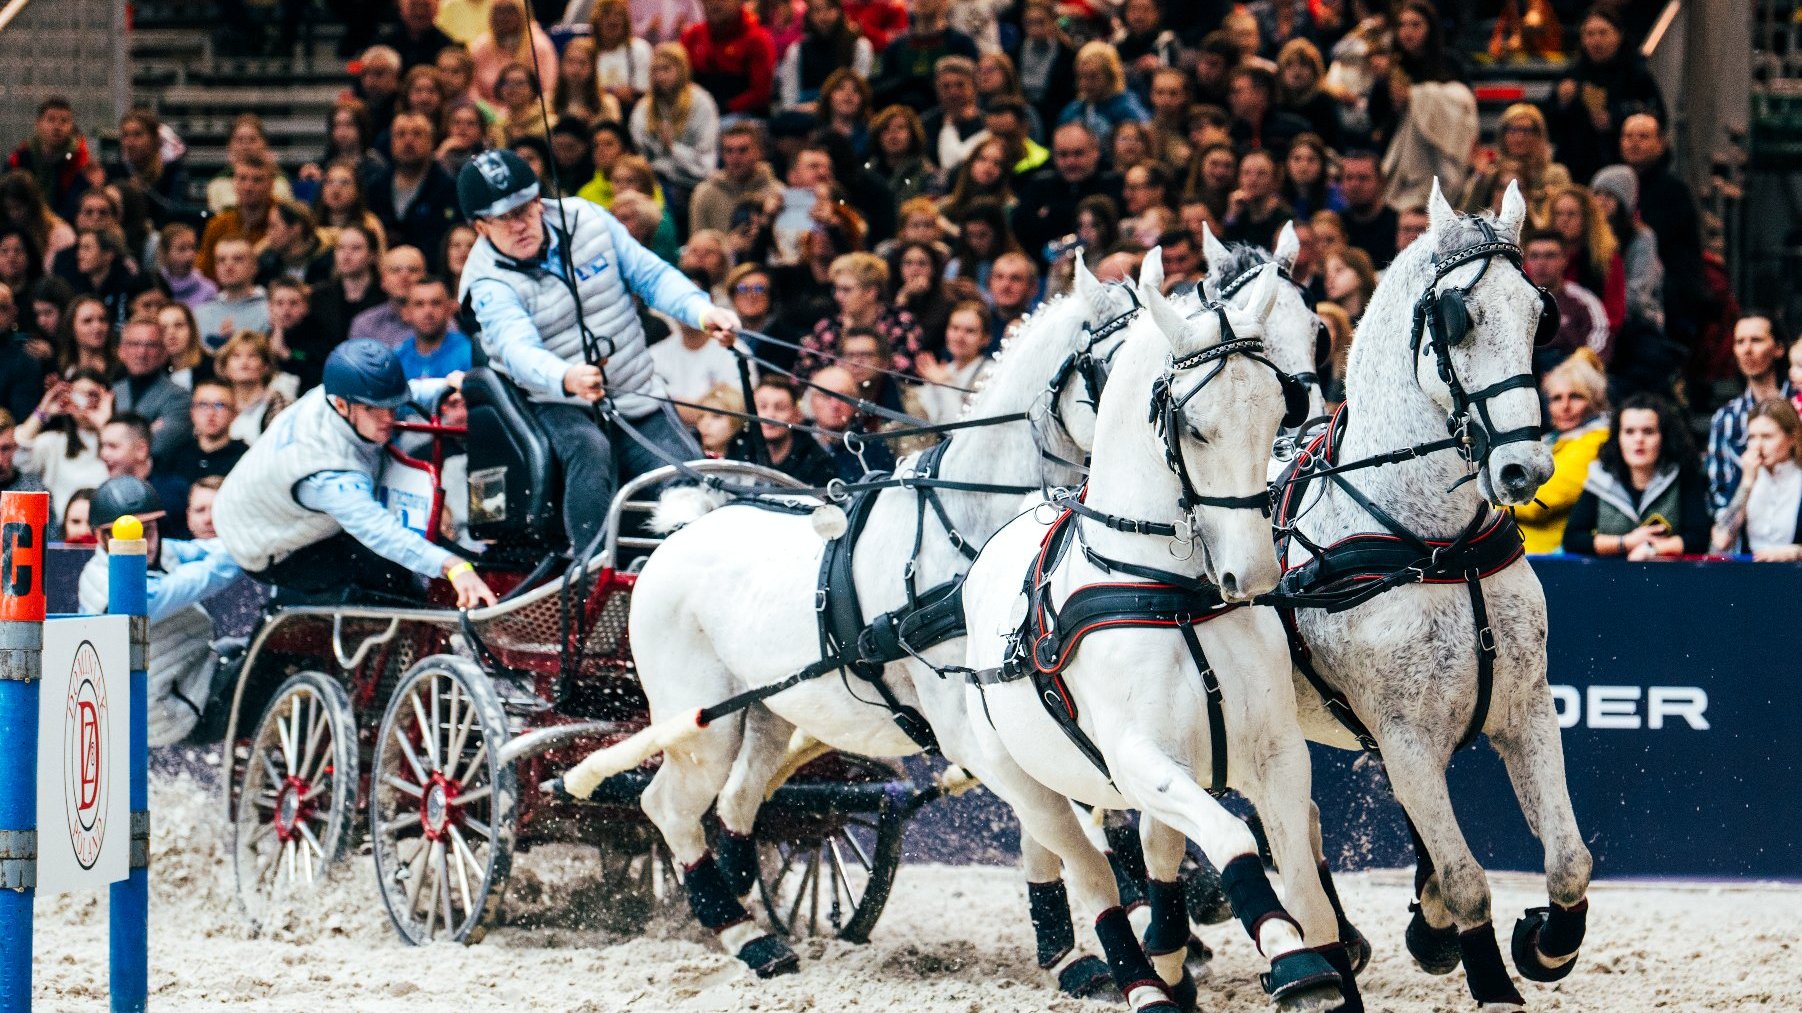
{"x": 1589, "y": 243}
{"x": 511, "y": 38}
{"x": 1339, "y": 332}
{"x": 633, "y": 174}
{"x": 1576, "y": 395}
{"x": 1765, "y": 515}
{"x": 247, "y": 362}
{"x": 622, "y": 60}
{"x": 717, "y": 431}
{"x": 1523, "y": 136}
{"x": 677, "y": 124}
{"x": 1102, "y": 100}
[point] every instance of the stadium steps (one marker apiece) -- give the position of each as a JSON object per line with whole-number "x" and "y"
{"x": 179, "y": 72}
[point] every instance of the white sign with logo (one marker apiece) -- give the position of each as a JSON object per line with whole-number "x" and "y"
{"x": 84, "y": 754}
{"x": 409, "y": 492}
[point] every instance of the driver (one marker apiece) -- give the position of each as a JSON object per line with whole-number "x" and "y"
{"x": 551, "y": 285}
{"x": 182, "y": 574}
{"x": 300, "y": 511}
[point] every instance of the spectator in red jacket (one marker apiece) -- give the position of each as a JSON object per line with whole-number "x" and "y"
{"x": 733, "y": 57}
{"x": 57, "y": 155}
{"x": 879, "y": 20}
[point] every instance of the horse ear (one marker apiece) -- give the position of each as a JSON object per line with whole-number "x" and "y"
{"x": 1210, "y": 292}
{"x": 1165, "y": 316}
{"x": 1263, "y": 293}
{"x": 1514, "y": 212}
{"x": 1439, "y": 212}
{"x": 1087, "y": 287}
{"x": 1151, "y": 272}
{"x": 1287, "y": 246}
{"x": 1214, "y": 250}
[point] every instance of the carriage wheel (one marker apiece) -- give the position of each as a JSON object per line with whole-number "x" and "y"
{"x": 297, "y": 795}
{"x": 441, "y": 804}
{"x": 832, "y": 883}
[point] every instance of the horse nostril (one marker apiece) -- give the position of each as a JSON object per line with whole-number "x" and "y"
{"x": 1514, "y": 477}
{"x": 1229, "y": 585}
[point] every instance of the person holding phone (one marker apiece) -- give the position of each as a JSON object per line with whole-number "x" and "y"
{"x": 1645, "y": 496}
{"x": 59, "y": 442}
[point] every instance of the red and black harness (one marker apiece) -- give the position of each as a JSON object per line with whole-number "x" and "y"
{"x": 1357, "y": 568}
{"x": 1049, "y": 635}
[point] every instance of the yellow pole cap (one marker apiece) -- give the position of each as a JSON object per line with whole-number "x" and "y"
{"x": 128, "y": 528}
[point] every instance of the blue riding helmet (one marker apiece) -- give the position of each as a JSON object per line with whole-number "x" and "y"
{"x": 366, "y": 372}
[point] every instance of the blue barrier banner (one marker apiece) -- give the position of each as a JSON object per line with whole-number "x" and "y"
{"x": 1682, "y": 752}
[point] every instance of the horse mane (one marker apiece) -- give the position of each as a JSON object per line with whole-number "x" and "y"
{"x": 1008, "y": 340}
{"x": 1241, "y": 259}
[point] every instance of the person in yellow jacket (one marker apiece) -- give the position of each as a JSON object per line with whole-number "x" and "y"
{"x": 1576, "y": 392}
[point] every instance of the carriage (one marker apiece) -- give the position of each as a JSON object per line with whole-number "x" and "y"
{"x": 420, "y": 734}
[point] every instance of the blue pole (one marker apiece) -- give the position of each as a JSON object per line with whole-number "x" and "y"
{"x": 127, "y": 592}
{"x": 23, "y": 519}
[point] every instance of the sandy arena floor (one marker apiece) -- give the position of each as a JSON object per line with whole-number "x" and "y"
{"x": 952, "y": 939}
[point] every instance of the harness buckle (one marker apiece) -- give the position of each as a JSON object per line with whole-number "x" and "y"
{"x": 835, "y": 490}
{"x": 907, "y": 571}
{"x": 1486, "y": 639}
{"x": 956, "y": 537}
{"x": 819, "y": 599}
{"x": 1285, "y": 449}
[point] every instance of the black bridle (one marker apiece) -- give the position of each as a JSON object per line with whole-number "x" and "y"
{"x": 1091, "y": 368}
{"x": 1166, "y": 411}
{"x": 1443, "y": 319}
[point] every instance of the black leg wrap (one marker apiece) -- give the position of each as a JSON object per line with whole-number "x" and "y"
{"x": 1483, "y": 969}
{"x": 1355, "y": 943}
{"x": 1049, "y": 904}
{"x": 1252, "y": 898}
{"x": 1086, "y": 978}
{"x": 713, "y": 901}
{"x": 1169, "y": 928}
{"x": 1299, "y": 971}
{"x": 768, "y": 956}
{"x": 1204, "y": 894}
{"x": 1124, "y": 956}
{"x": 1554, "y": 932}
{"x": 1184, "y": 992}
{"x": 736, "y": 855}
{"x": 1341, "y": 958}
{"x": 1128, "y": 854}
{"x": 1435, "y": 950}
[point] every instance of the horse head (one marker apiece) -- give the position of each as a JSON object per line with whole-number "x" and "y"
{"x": 1292, "y": 333}
{"x": 1474, "y": 328}
{"x": 1217, "y": 405}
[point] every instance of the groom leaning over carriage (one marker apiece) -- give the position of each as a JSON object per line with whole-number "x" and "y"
{"x": 551, "y": 283}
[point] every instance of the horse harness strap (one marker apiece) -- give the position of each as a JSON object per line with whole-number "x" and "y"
{"x": 930, "y": 617}
{"x": 1355, "y": 569}
{"x": 1048, "y": 636}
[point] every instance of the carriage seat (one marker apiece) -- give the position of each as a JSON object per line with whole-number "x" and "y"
{"x": 513, "y": 474}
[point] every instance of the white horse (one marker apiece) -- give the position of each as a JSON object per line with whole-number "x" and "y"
{"x": 1405, "y": 666}
{"x": 1148, "y": 729}
{"x": 727, "y": 604}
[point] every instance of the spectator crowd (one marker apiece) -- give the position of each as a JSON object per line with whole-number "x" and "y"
{"x": 881, "y": 189}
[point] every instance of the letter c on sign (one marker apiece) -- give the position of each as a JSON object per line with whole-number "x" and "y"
{"x": 15, "y": 576}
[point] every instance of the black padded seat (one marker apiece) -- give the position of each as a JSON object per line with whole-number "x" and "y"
{"x": 513, "y": 475}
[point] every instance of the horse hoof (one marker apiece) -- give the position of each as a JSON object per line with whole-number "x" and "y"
{"x": 1435, "y": 950}
{"x": 1200, "y": 960}
{"x": 1302, "y": 981}
{"x": 1359, "y": 950}
{"x": 1340, "y": 955}
{"x": 1534, "y": 965}
{"x": 1088, "y": 977}
{"x": 768, "y": 957}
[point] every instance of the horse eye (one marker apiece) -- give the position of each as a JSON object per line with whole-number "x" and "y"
{"x": 1195, "y": 434}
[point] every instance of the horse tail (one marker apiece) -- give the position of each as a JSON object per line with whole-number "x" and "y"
{"x": 685, "y": 504}
{"x": 585, "y": 777}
